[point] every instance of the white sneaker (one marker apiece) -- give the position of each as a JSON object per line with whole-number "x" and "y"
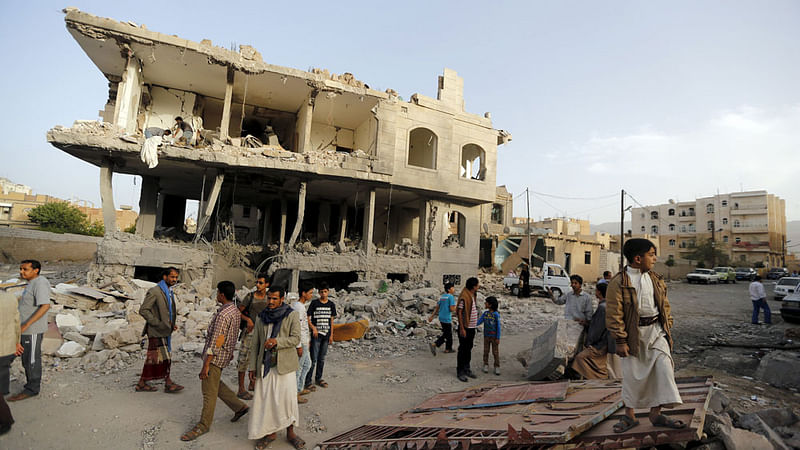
{"x": 497, "y": 371}
{"x": 485, "y": 369}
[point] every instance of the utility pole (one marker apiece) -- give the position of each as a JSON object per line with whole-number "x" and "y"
{"x": 530, "y": 250}
{"x": 621, "y": 229}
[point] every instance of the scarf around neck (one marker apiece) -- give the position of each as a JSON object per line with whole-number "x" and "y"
{"x": 274, "y": 317}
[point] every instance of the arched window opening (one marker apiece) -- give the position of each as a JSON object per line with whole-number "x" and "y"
{"x": 456, "y": 230}
{"x": 473, "y": 162}
{"x": 422, "y": 145}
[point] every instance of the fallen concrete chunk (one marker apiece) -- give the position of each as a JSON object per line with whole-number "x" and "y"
{"x": 780, "y": 368}
{"x": 77, "y": 337}
{"x": 773, "y": 417}
{"x": 142, "y": 284}
{"x": 552, "y": 347}
{"x": 122, "y": 337}
{"x": 719, "y": 401}
{"x": 739, "y": 439}
{"x": 70, "y": 349}
{"x": 67, "y": 323}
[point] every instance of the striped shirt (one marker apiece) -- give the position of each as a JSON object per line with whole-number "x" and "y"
{"x": 225, "y": 322}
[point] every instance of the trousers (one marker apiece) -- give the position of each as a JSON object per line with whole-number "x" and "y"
{"x": 464, "y": 356}
{"x": 761, "y": 304}
{"x": 213, "y": 387}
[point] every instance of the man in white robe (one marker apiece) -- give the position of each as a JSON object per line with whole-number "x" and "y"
{"x": 639, "y": 319}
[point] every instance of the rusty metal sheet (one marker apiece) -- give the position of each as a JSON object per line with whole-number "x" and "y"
{"x": 695, "y": 393}
{"x": 472, "y": 424}
{"x": 495, "y": 395}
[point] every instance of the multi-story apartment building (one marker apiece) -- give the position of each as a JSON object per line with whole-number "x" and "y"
{"x": 750, "y": 227}
{"x": 315, "y": 160}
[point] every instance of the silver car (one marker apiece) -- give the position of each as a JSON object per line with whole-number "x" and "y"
{"x": 785, "y": 286}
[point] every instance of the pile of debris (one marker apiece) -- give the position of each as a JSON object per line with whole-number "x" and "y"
{"x": 726, "y": 427}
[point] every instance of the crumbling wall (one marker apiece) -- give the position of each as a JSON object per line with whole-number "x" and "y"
{"x": 166, "y": 104}
{"x": 328, "y": 137}
{"x": 121, "y": 253}
{"x": 17, "y": 244}
{"x": 454, "y": 264}
{"x": 368, "y": 267}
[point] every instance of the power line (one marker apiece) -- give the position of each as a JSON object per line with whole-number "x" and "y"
{"x": 561, "y": 197}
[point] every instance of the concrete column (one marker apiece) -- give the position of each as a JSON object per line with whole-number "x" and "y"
{"x": 301, "y": 209}
{"x": 282, "y": 238}
{"x": 129, "y": 93}
{"x": 224, "y": 127}
{"x": 369, "y": 223}
{"x": 107, "y": 196}
{"x": 303, "y": 124}
{"x": 342, "y": 224}
{"x": 148, "y": 207}
{"x": 294, "y": 282}
{"x": 424, "y": 218}
{"x": 324, "y": 222}
{"x": 267, "y": 224}
{"x": 207, "y": 204}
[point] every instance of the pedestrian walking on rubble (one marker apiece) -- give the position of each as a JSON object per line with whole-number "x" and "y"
{"x": 273, "y": 363}
{"x": 249, "y": 308}
{"x": 467, "y": 313}
{"x": 159, "y": 312}
{"x": 491, "y": 334}
{"x": 445, "y": 308}
{"x": 33, "y": 307}
{"x": 320, "y": 319}
{"x": 217, "y": 353}
{"x": 638, "y": 317}
{"x": 9, "y": 348}
{"x": 759, "y": 298}
{"x": 303, "y": 352}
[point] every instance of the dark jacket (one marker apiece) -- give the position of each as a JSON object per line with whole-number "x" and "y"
{"x": 155, "y": 311}
{"x": 622, "y": 310}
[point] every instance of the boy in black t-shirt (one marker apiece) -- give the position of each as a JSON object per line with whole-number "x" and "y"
{"x": 320, "y": 319}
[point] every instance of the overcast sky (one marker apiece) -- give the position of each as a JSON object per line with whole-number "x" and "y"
{"x": 665, "y": 99}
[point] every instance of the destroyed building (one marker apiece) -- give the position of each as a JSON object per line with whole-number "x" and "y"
{"x": 334, "y": 177}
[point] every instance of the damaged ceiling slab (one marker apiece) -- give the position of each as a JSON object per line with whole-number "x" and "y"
{"x": 560, "y": 415}
{"x": 301, "y": 163}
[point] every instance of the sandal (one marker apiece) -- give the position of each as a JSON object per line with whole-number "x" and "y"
{"x": 238, "y": 415}
{"x": 264, "y": 442}
{"x": 664, "y": 421}
{"x": 172, "y": 388}
{"x": 145, "y": 388}
{"x": 297, "y": 442}
{"x": 322, "y": 383}
{"x": 625, "y": 423}
{"x": 245, "y": 395}
{"x": 311, "y": 387}
{"x": 193, "y": 434}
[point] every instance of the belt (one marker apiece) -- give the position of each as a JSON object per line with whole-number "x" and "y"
{"x": 645, "y": 321}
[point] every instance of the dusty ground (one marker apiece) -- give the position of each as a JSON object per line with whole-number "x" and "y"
{"x": 88, "y": 411}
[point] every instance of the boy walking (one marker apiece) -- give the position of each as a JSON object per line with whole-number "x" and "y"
{"x": 299, "y": 305}
{"x": 759, "y": 299}
{"x": 320, "y": 319}
{"x": 491, "y": 334}
{"x": 445, "y": 308}
{"x": 217, "y": 353}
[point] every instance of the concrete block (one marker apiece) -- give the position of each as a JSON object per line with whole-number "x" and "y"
{"x": 359, "y": 303}
{"x": 719, "y": 401}
{"x": 77, "y": 337}
{"x": 70, "y": 349}
{"x": 739, "y": 439}
{"x": 67, "y": 323}
{"x": 779, "y": 368}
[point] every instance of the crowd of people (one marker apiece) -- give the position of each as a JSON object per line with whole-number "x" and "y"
{"x": 282, "y": 347}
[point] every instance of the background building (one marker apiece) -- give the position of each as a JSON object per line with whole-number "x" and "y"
{"x": 749, "y": 227}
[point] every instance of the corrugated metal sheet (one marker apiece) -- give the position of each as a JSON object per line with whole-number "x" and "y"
{"x": 526, "y": 415}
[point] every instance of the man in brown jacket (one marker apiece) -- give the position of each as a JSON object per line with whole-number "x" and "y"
{"x": 638, "y": 318}
{"x": 159, "y": 312}
{"x": 467, "y": 313}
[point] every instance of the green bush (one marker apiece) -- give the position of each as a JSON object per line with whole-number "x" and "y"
{"x": 62, "y": 217}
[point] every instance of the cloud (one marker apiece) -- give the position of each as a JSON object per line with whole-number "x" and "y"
{"x": 748, "y": 147}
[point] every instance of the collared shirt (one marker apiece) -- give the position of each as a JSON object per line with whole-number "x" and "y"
{"x": 225, "y": 322}
{"x": 577, "y": 307}
{"x": 305, "y": 336}
{"x": 757, "y": 291}
{"x": 644, "y": 292}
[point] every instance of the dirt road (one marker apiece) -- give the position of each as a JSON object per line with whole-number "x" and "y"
{"x": 91, "y": 411}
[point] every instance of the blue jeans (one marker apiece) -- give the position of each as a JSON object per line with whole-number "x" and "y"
{"x": 761, "y": 304}
{"x": 319, "y": 348}
{"x": 303, "y": 368}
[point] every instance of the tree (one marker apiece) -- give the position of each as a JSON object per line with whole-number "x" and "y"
{"x": 705, "y": 252}
{"x": 95, "y": 228}
{"x": 59, "y": 217}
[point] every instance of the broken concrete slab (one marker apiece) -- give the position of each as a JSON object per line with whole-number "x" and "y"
{"x": 68, "y": 322}
{"x": 773, "y": 417}
{"x": 70, "y": 349}
{"x": 77, "y": 337}
{"x": 739, "y": 439}
{"x": 553, "y": 345}
{"x": 719, "y": 401}
{"x": 779, "y": 368}
{"x": 121, "y": 337}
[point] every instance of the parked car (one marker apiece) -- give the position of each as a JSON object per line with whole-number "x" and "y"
{"x": 745, "y": 273}
{"x": 554, "y": 278}
{"x": 790, "y": 308}
{"x": 726, "y": 274}
{"x": 776, "y": 273}
{"x": 785, "y": 286}
{"x": 704, "y": 276}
